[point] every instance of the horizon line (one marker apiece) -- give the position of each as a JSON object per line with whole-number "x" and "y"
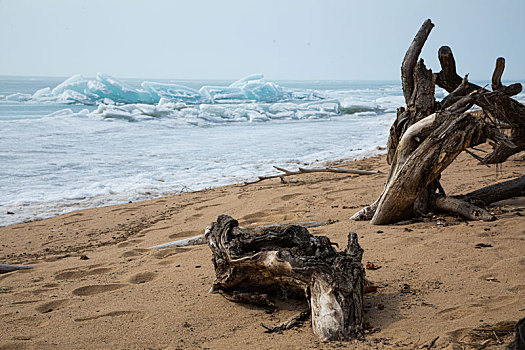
{"x": 231, "y": 79}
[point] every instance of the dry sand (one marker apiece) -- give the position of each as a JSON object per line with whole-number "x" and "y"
{"x": 433, "y": 281}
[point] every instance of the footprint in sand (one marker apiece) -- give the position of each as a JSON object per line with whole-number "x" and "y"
{"x": 130, "y": 242}
{"x": 143, "y": 277}
{"x": 184, "y": 234}
{"x": 287, "y": 197}
{"x": 518, "y": 289}
{"x": 164, "y": 253}
{"x": 151, "y": 229}
{"x": 75, "y": 274}
{"x": 251, "y": 218}
{"x": 39, "y": 291}
{"x": 206, "y": 206}
{"x": 448, "y": 310}
{"x": 134, "y": 252}
{"x": 134, "y": 314}
{"x": 51, "y": 306}
{"x": 97, "y": 289}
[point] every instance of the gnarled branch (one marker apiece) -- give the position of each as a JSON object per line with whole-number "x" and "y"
{"x": 293, "y": 260}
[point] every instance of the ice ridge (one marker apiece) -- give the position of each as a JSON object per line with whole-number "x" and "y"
{"x": 109, "y": 90}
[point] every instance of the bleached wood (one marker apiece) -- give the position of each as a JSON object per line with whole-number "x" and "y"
{"x": 315, "y": 170}
{"x": 463, "y": 208}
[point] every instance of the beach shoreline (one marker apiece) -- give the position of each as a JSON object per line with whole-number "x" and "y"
{"x": 94, "y": 275}
{"x": 84, "y": 203}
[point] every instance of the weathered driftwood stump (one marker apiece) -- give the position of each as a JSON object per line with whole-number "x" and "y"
{"x": 428, "y": 135}
{"x": 250, "y": 266}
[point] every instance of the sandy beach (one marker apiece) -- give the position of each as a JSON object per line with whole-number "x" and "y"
{"x": 96, "y": 285}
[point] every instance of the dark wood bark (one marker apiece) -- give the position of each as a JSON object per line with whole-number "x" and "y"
{"x": 498, "y": 73}
{"x": 293, "y": 260}
{"x": 497, "y": 192}
{"x": 510, "y": 90}
{"x": 420, "y": 105}
{"x": 418, "y": 90}
{"x": 448, "y": 79}
{"x": 411, "y": 57}
{"x": 498, "y": 104}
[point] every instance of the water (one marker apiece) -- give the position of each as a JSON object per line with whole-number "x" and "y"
{"x": 58, "y": 155}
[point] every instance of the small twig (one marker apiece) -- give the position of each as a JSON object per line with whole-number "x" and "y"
{"x": 478, "y": 149}
{"x": 5, "y": 268}
{"x": 290, "y": 323}
{"x": 315, "y": 170}
{"x": 185, "y": 189}
{"x": 478, "y": 158}
{"x": 497, "y": 338}
{"x": 432, "y": 343}
{"x": 500, "y": 330}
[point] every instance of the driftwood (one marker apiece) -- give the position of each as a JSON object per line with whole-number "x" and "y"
{"x": 466, "y": 205}
{"x": 428, "y": 135}
{"x": 5, "y": 268}
{"x": 307, "y": 171}
{"x": 465, "y": 209}
{"x": 497, "y": 192}
{"x": 497, "y": 104}
{"x": 186, "y": 242}
{"x": 251, "y": 266}
{"x": 200, "y": 240}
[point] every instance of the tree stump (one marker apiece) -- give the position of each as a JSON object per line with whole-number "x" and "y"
{"x": 250, "y": 266}
{"x": 428, "y": 135}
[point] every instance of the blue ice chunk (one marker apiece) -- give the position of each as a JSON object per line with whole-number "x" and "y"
{"x": 256, "y": 88}
{"x": 105, "y": 86}
{"x": 42, "y": 93}
{"x": 18, "y": 97}
{"x": 112, "y": 113}
{"x": 241, "y": 82}
{"x": 108, "y": 90}
{"x": 72, "y": 96}
{"x": 75, "y": 83}
{"x": 264, "y": 91}
{"x": 220, "y": 94}
{"x": 173, "y": 92}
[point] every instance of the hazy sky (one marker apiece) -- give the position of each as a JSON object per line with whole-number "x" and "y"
{"x": 228, "y": 39}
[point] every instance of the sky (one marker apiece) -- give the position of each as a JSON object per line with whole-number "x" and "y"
{"x": 229, "y": 39}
